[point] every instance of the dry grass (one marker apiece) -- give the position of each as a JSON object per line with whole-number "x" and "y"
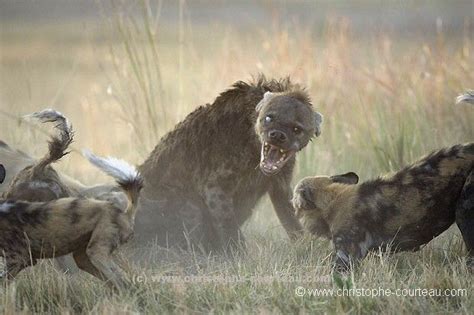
{"x": 386, "y": 101}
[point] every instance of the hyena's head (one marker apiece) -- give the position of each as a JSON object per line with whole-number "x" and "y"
{"x": 314, "y": 194}
{"x": 285, "y": 124}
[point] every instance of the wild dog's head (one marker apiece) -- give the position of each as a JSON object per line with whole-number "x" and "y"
{"x": 286, "y": 123}
{"x": 314, "y": 194}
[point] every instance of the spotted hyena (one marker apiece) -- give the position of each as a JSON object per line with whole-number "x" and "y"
{"x": 206, "y": 176}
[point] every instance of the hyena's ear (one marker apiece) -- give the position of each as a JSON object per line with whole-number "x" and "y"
{"x": 266, "y": 98}
{"x": 3, "y": 173}
{"x": 318, "y": 121}
{"x": 350, "y": 178}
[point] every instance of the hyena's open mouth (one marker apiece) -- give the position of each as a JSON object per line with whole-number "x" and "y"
{"x": 273, "y": 158}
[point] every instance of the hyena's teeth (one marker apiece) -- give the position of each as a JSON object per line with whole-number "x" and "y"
{"x": 282, "y": 151}
{"x": 274, "y": 167}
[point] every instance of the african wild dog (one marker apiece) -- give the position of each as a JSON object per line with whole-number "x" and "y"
{"x": 402, "y": 211}
{"x": 89, "y": 229}
{"x": 38, "y": 181}
{"x": 202, "y": 179}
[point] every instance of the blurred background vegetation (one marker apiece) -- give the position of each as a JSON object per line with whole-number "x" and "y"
{"x": 384, "y": 74}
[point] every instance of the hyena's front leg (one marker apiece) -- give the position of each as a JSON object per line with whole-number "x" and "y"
{"x": 465, "y": 216}
{"x": 223, "y": 217}
{"x": 281, "y": 195}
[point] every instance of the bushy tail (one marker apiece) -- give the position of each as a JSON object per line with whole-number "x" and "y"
{"x": 57, "y": 145}
{"x": 126, "y": 175}
{"x": 467, "y": 97}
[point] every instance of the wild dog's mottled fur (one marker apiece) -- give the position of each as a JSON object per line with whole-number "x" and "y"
{"x": 89, "y": 229}
{"x": 40, "y": 182}
{"x": 203, "y": 178}
{"x": 405, "y": 210}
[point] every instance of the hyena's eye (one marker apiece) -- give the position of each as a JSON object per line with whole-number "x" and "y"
{"x": 297, "y": 130}
{"x": 268, "y": 118}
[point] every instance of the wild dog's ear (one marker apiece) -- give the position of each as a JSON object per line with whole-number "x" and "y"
{"x": 3, "y": 173}
{"x": 318, "y": 121}
{"x": 350, "y": 178}
{"x": 266, "y": 98}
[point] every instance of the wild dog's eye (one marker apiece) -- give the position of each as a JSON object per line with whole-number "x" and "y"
{"x": 297, "y": 130}
{"x": 268, "y": 118}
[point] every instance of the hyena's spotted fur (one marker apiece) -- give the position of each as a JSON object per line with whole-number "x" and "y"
{"x": 205, "y": 177}
{"x": 403, "y": 211}
{"x": 89, "y": 229}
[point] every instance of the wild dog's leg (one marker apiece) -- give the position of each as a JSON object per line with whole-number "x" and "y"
{"x": 16, "y": 255}
{"x": 350, "y": 246}
{"x": 281, "y": 195}
{"x": 465, "y": 216}
{"x": 112, "y": 273}
{"x": 223, "y": 216}
{"x": 14, "y": 264}
{"x": 101, "y": 245}
{"x": 84, "y": 263}
{"x": 66, "y": 264}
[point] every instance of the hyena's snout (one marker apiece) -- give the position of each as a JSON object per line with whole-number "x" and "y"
{"x": 277, "y": 136}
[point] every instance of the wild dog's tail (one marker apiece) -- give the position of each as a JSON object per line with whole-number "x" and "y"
{"x": 57, "y": 145}
{"x": 467, "y": 97}
{"x": 126, "y": 175}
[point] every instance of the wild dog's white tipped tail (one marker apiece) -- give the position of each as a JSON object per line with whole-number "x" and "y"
{"x": 118, "y": 169}
{"x": 126, "y": 175}
{"x": 467, "y": 97}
